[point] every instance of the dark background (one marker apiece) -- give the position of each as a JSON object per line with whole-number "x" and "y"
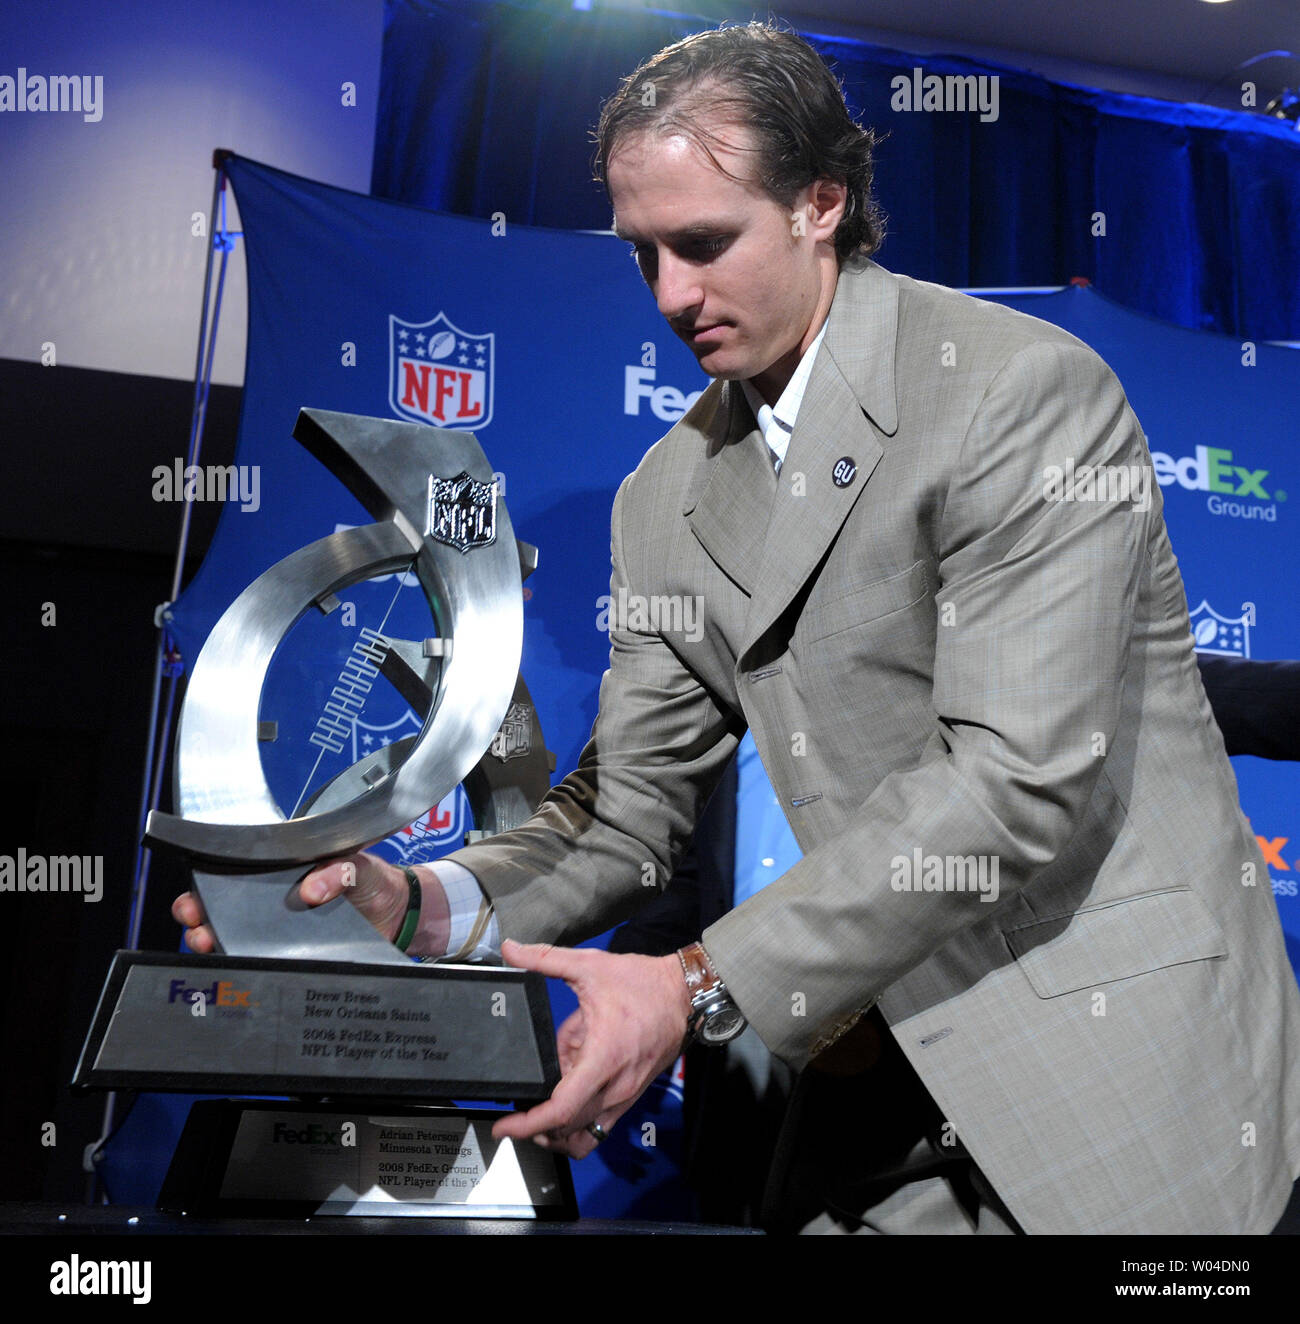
{"x": 80, "y": 531}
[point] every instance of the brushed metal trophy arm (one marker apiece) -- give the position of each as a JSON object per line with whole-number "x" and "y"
{"x": 508, "y": 782}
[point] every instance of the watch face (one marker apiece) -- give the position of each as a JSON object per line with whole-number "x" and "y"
{"x": 722, "y": 1026}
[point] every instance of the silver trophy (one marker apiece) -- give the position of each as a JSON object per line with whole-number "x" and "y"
{"x": 313, "y": 1002}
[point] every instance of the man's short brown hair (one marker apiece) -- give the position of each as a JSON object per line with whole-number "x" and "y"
{"x": 771, "y": 81}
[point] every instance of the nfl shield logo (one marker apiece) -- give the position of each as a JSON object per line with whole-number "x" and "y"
{"x": 462, "y": 512}
{"x": 514, "y": 738}
{"x": 1227, "y": 636}
{"x": 439, "y": 374}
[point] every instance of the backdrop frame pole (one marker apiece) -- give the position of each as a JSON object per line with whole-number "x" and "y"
{"x": 160, "y": 711}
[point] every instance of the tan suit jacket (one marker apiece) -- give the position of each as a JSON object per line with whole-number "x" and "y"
{"x": 939, "y": 662}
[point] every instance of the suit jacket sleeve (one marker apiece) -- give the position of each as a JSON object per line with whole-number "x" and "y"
{"x": 1035, "y": 610}
{"x": 607, "y": 839}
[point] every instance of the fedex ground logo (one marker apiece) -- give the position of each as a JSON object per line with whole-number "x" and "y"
{"x": 1239, "y": 491}
{"x": 345, "y": 1135}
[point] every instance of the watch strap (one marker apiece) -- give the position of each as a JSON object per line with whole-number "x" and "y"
{"x": 698, "y": 970}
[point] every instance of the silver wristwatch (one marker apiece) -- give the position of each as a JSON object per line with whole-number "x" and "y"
{"x": 715, "y": 1019}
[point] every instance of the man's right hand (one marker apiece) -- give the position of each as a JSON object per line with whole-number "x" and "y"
{"x": 378, "y": 890}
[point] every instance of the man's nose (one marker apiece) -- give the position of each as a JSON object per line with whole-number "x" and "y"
{"x": 678, "y": 290}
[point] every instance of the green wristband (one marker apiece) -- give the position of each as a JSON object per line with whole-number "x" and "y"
{"x": 412, "y": 919}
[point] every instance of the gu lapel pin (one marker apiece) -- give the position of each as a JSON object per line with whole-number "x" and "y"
{"x": 845, "y": 471}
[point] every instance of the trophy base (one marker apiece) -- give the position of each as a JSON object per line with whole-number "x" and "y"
{"x": 317, "y": 1029}
{"x": 241, "y": 1158}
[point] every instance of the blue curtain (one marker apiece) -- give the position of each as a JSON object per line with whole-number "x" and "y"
{"x": 487, "y": 107}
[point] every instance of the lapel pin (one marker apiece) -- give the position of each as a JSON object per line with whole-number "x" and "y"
{"x": 845, "y": 472}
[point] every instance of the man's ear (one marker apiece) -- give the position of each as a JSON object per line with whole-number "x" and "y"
{"x": 824, "y": 200}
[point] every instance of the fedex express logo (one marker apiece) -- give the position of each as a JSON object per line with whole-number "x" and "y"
{"x": 1272, "y": 848}
{"x": 220, "y": 993}
{"x": 439, "y": 374}
{"x": 667, "y": 403}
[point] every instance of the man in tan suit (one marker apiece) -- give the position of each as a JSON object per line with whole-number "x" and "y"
{"x": 926, "y": 544}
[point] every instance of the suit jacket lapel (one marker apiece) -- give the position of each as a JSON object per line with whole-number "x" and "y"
{"x": 730, "y": 500}
{"x": 851, "y": 387}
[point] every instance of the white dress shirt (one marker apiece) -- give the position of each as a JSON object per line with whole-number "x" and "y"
{"x": 776, "y": 424}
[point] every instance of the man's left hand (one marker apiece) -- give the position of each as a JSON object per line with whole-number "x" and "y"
{"x": 630, "y": 1025}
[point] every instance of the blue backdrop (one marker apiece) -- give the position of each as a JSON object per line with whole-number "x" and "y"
{"x": 555, "y": 332}
{"x": 486, "y": 106}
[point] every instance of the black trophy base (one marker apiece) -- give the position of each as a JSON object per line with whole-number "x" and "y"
{"x": 264, "y": 1159}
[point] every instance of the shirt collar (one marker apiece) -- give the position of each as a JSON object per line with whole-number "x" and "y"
{"x": 776, "y": 424}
